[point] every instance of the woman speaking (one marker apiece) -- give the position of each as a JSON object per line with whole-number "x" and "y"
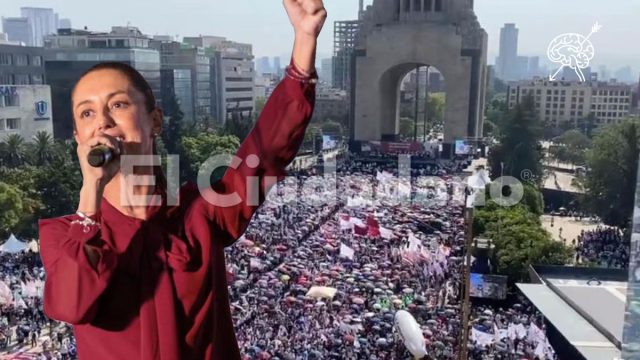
{"x": 148, "y": 281}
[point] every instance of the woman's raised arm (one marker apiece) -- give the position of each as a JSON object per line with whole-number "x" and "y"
{"x": 276, "y": 137}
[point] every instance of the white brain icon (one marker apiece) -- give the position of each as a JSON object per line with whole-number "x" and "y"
{"x": 573, "y": 50}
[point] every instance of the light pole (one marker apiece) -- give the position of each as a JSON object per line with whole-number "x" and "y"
{"x": 475, "y": 185}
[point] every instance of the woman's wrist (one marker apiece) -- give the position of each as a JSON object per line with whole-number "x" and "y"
{"x": 304, "y": 52}
{"x": 90, "y": 197}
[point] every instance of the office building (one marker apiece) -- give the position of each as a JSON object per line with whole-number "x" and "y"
{"x": 263, "y": 66}
{"x": 232, "y": 76}
{"x": 185, "y": 73}
{"x": 21, "y": 65}
{"x": 331, "y": 104}
{"x": 345, "y": 34}
{"x": 43, "y": 22}
{"x": 558, "y": 102}
{"x": 326, "y": 71}
{"x": 64, "y": 24}
{"x": 25, "y": 110}
{"x": 18, "y": 30}
{"x": 507, "y": 65}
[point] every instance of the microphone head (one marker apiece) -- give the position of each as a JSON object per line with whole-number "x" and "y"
{"x": 99, "y": 156}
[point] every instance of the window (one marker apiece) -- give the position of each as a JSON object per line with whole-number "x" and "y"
{"x": 417, "y": 5}
{"x": 9, "y": 100}
{"x": 22, "y": 59}
{"x": 438, "y": 5}
{"x": 36, "y": 60}
{"x": 5, "y": 59}
{"x": 13, "y": 124}
{"x": 1, "y": 124}
{"x": 555, "y": 92}
{"x": 428, "y": 5}
{"x": 549, "y": 98}
{"x": 21, "y": 79}
{"x": 407, "y": 5}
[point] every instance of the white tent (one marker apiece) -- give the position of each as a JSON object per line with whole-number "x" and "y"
{"x": 13, "y": 245}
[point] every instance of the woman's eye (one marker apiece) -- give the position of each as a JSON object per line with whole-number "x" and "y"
{"x": 119, "y": 105}
{"x": 85, "y": 113}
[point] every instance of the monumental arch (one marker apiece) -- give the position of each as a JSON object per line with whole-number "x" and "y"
{"x": 396, "y": 36}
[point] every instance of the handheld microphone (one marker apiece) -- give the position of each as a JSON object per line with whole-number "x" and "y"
{"x": 100, "y": 156}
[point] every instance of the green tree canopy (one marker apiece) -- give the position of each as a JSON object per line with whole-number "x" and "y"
{"x": 519, "y": 146}
{"x": 570, "y": 147}
{"x": 612, "y": 166}
{"x": 11, "y": 205}
{"x": 199, "y": 148}
{"x": 519, "y": 239}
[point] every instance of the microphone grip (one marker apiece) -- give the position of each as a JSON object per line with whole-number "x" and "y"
{"x": 100, "y": 155}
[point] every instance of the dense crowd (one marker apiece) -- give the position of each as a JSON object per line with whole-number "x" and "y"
{"x": 23, "y": 323}
{"x": 321, "y": 274}
{"x": 604, "y": 247}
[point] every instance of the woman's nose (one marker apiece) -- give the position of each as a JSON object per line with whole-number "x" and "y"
{"x": 106, "y": 121}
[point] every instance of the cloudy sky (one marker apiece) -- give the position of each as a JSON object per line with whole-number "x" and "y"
{"x": 264, "y": 22}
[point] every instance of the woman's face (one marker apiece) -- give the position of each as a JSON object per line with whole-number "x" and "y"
{"x": 105, "y": 102}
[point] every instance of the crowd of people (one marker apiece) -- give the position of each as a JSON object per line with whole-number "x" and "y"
{"x": 603, "y": 247}
{"x": 25, "y": 331}
{"x": 377, "y": 258}
{"x": 321, "y": 275}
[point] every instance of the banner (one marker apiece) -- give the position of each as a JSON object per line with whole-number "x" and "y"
{"x": 346, "y": 252}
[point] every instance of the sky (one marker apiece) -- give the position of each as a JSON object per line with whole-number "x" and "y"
{"x": 264, "y": 23}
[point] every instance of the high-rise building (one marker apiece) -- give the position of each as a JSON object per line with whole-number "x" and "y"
{"x": 345, "y": 35}
{"x": 277, "y": 66}
{"x": 25, "y": 102}
{"x": 17, "y": 29}
{"x": 43, "y": 22}
{"x": 534, "y": 67}
{"x": 558, "y": 102}
{"x": 64, "y": 24}
{"x": 232, "y": 76}
{"x": 625, "y": 75}
{"x": 326, "y": 71}
{"x": 507, "y": 62}
{"x": 71, "y": 52}
{"x": 263, "y": 66}
{"x": 185, "y": 73}
{"x": 21, "y": 65}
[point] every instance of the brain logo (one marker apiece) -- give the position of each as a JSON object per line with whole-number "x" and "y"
{"x": 572, "y": 50}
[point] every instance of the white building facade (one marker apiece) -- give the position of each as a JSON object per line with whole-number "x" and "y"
{"x": 25, "y": 110}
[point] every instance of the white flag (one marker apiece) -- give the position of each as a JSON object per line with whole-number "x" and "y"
{"x": 346, "y": 251}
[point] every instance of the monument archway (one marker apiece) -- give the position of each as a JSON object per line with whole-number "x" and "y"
{"x": 398, "y": 35}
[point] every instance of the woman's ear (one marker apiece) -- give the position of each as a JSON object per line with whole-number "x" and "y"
{"x": 158, "y": 118}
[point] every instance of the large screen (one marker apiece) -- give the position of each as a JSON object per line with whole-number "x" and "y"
{"x": 463, "y": 147}
{"x": 488, "y": 286}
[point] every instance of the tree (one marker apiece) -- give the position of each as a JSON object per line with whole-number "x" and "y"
{"x": 11, "y": 205}
{"x": 41, "y": 150}
{"x": 13, "y": 150}
{"x": 571, "y": 147}
{"x": 435, "y": 110}
{"x": 260, "y": 102}
{"x": 238, "y": 126}
{"x": 330, "y": 127}
{"x": 612, "y": 163}
{"x": 519, "y": 239}
{"x": 199, "y": 148}
{"x": 519, "y": 146}
{"x": 406, "y": 127}
{"x": 173, "y": 126}
{"x": 587, "y": 125}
